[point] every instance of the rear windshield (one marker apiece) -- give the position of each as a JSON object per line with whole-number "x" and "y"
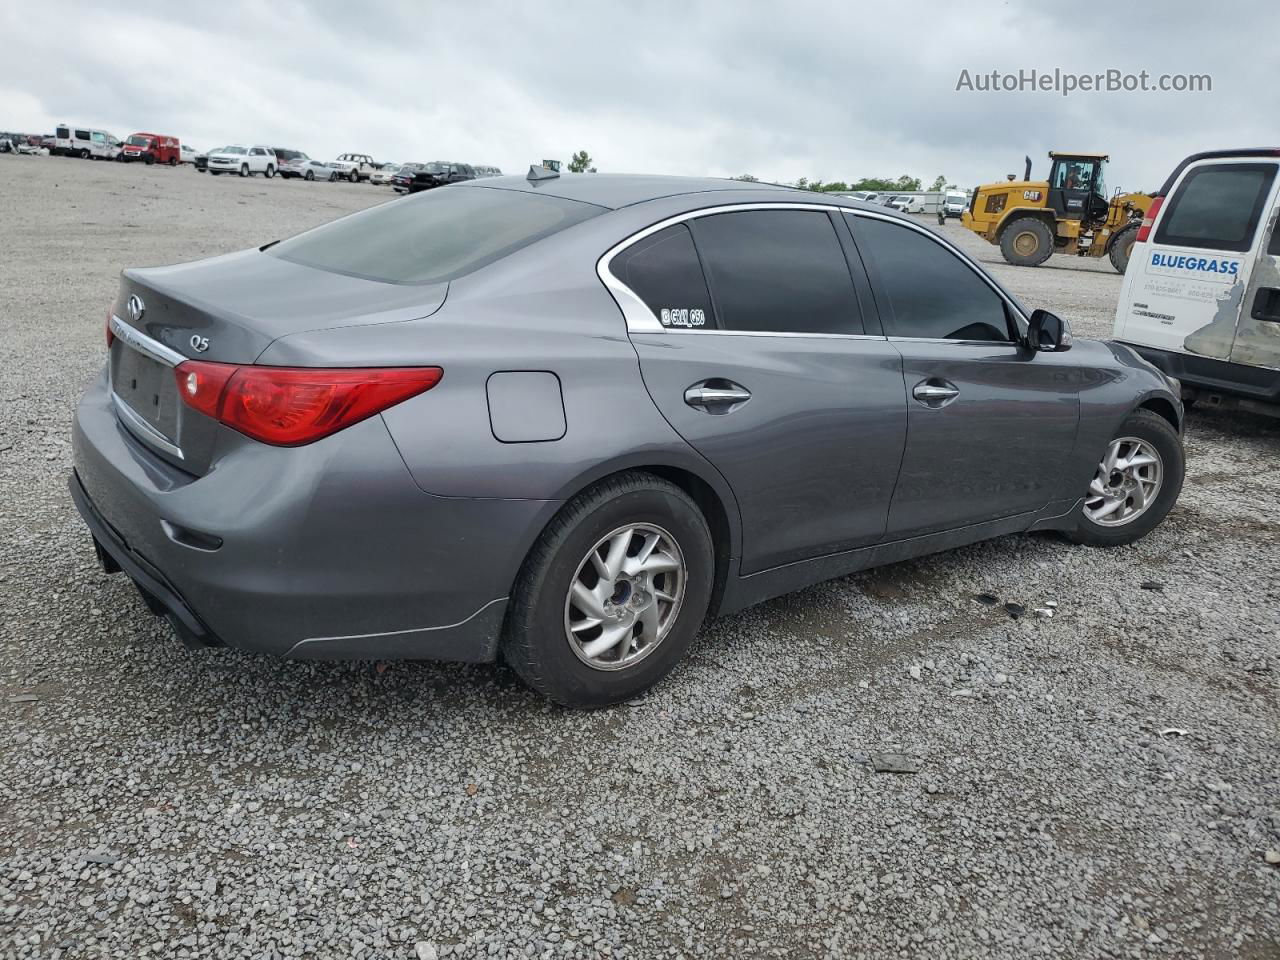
{"x": 433, "y": 236}
{"x": 1217, "y": 207}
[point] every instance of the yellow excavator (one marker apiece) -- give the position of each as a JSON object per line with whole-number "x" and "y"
{"x": 1069, "y": 213}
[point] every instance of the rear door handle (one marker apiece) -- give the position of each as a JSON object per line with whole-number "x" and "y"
{"x": 1266, "y": 305}
{"x": 719, "y": 394}
{"x": 935, "y": 393}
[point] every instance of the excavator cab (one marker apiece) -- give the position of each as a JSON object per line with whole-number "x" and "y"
{"x": 1077, "y": 187}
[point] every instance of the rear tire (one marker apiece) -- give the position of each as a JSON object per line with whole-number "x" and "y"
{"x": 1027, "y": 242}
{"x": 1122, "y": 246}
{"x": 355, "y": 177}
{"x": 85, "y": 155}
{"x": 173, "y": 161}
{"x": 269, "y": 172}
{"x": 1155, "y": 433}
{"x": 538, "y": 642}
{"x": 311, "y": 175}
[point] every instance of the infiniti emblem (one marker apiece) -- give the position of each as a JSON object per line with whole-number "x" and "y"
{"x": 198, "y": 343}
{"x": 136, "y": 308}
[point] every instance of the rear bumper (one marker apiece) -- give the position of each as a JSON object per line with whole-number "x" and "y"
{"x": 1249, "y": 387}
{"x": 328, "y": 551}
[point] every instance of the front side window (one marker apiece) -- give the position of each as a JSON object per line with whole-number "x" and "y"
{"x": 1218, "y": 206}
{"x": 99, "y": 138}
{"x": 932, "y": 293}
{"x": 435, "y": 236}
{"x": 778, "y": 271}
{"x": 663, "y": 270}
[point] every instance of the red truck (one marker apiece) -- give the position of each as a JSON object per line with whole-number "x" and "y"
{"x": 152, "y": 148}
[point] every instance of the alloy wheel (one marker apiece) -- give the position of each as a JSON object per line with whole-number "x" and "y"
{"x": 625, "y": 596}
{"x": 1126, "y": 483}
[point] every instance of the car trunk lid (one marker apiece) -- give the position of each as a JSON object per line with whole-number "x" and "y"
{"x": 227, "y": 310}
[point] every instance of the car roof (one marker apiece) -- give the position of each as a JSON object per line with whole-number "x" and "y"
{"x": 614, "y": 190}
{"x": 1232, "y": 152}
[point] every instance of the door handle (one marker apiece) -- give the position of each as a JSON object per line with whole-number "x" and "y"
{"x": 705, "y": 395}
{"x": 1266, "y": 305}
{"x": 935, "y": 393}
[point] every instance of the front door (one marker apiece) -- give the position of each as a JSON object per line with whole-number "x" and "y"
{"x": 763, "y": 364}
{"x": 990, "y": 425}
{"x": 1071, "y": 184}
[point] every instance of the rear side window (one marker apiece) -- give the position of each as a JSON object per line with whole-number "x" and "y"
{"x": 82, "y": 134}
{"x": 435, "y": 236}
{"x": 778, "y": 271}
{"x": 663, "y": 271}
{"x": 933, "y": 294}
{"x": 1217, "y": 207}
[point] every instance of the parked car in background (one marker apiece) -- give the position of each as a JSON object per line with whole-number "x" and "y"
{"x": 401, "y": 179}
{"x": 303, "y": 167}
{"x": 356, "y": 166}
{"x": 245, "y": 161}
{"x": 954, "y": 203}
{"x": 907, "y": 204}
{"x": 202, "y": 159}
{"x": 151, "y": 148}
{"x": 382, "y": 176}
{"x": 186, "y": 154}
{"x": 86, "y": 143}
{"x": 1201, "y": 295}
{"x": 487, "y": 172}
{"x": 440, "y": 173}
{"x": 562, "y": 422}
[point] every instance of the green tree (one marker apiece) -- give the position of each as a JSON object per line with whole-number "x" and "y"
{"x": 581, "y": 163}
{"x": 746, "y": 177}
{"x": 939, "y": 184}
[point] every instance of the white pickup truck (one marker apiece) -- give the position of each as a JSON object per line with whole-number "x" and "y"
{"x": 355, "y": 166}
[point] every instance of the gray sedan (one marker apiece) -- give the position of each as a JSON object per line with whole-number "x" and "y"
{"x": 562, "y": 420}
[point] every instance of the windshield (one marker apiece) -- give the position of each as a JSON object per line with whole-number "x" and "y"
{"x": 955, "y": 198}
{"x": 435, "y": 236}
{"x": 137, "y": 141}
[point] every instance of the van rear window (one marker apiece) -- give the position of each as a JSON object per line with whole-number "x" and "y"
{"x": 1217, "y": 207}
{"x": 435, "y": 236}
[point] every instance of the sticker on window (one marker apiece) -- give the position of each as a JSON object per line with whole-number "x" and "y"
{"x": 682, "y": 317}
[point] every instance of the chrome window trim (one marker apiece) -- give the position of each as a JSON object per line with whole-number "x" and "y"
{"x": 143, "y": 430}
{"x": 964, "y": 258}
{"x": 640, "y": 319}
{"x": 146, "y": 345}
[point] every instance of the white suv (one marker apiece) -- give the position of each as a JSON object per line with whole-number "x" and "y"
{"x": 245, "y": 161}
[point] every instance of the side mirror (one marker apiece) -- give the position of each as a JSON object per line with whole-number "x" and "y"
{"x": 1048, "y": 332}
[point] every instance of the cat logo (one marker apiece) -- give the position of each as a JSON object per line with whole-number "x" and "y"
{"x": 1031, "y": 195}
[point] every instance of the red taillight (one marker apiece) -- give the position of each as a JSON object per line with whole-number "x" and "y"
{"x": 1149, "y": 220}
{"x": 111, "y": 334}
{"x": 290, "y": 406}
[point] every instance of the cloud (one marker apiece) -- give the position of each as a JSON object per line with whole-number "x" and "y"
{"x": 822, "y": 90}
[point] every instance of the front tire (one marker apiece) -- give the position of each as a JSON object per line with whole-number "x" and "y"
{"x": 1137, "y": 482}
{"x": 1122, "y": 246}
{"x": 612, "y": 594}
{"x": 1027, "y": 242}
{"x": 355, "y": 177}
{"x": 244, "y": 169}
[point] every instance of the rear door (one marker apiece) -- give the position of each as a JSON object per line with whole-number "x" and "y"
{"x": 990, "y": 425}
{"x": 1184, "y": 289}
{"x": 764, "y": 364}
{"x": 1257, "y": 341}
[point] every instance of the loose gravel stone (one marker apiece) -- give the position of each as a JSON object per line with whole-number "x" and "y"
{"x": 160, "y": 802}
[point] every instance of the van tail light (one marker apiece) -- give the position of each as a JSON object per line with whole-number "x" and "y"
{"x": 111, "y": 334}
{"x": 291, "y": 406}
{"x": 1149, "y": 220}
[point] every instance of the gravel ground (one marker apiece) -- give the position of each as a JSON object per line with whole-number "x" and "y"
{"x": 1103, "y": 783}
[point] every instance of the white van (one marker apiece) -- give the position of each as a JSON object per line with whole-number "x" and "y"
{"x": 85, "y": 142}
{"x": 954, "y": 203}
{"x": 1201, "y": 297}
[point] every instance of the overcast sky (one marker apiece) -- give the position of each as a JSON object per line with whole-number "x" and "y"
{"x": 822, "y": 90}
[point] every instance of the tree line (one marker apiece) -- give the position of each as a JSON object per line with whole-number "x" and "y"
{"x": 903, "y": 184}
